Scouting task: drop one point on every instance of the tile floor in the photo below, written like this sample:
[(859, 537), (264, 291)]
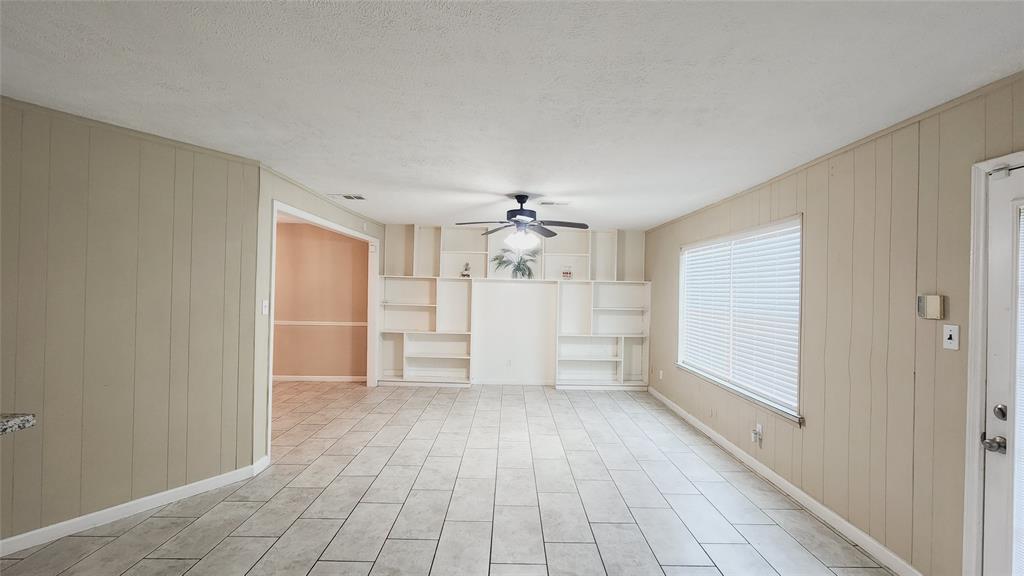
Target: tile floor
[(489, 480)]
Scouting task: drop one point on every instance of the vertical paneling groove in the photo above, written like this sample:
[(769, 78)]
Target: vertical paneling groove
[(232, 270), (861, 333), (65, 321), (111, 277), (815, 306), (837, 334), (962, 133), (1018, 115), (924, 376), (181, 274), (206, 324), (899, 460), (10, 181), (798, 433), (880, 337), (998, 122), (30, 369), (153, 320), (247, 308)]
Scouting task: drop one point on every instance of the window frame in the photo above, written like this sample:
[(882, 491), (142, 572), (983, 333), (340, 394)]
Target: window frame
[(784, 411)]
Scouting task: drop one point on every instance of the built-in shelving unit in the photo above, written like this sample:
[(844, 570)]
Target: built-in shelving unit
[(602, 335), (600, 323)]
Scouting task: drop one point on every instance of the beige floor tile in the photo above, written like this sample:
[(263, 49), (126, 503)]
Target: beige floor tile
[(274, 517), (363, 534), (232, 557), (405, 558), (517, 537), (422, 516), (57, 556), (563, 518), (463, 550), (624, 550), (566, 559), (295, 553), (202, 535)]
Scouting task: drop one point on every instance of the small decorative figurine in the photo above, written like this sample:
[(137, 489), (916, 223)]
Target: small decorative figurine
[(465, 271)]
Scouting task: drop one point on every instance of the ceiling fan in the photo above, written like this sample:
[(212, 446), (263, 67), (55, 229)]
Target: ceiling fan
[(525, 222)]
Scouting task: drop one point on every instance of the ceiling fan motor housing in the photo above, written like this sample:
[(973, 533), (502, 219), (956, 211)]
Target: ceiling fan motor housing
[(521, 215)]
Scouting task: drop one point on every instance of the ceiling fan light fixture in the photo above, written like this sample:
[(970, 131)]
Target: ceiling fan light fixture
[(522, 239)]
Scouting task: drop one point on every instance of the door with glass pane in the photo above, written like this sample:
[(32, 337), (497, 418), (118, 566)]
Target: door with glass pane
[(1003, 536)]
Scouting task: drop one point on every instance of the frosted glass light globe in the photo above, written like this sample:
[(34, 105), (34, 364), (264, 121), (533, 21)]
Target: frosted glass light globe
[(522, 240)]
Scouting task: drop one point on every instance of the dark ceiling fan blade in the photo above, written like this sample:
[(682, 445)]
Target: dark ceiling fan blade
[(493, 230), (542, 231), (562, 224), (489, 222)]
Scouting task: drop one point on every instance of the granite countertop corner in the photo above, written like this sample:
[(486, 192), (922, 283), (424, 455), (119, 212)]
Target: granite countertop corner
[(15, 422)]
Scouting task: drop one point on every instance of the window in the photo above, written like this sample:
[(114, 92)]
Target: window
[(739, 313)]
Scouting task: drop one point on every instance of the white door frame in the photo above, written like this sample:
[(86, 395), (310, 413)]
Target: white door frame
[(977, 350), (373, 248)]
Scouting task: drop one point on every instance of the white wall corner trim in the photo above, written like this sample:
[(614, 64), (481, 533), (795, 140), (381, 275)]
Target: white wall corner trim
[(76, 525), (873, 547)]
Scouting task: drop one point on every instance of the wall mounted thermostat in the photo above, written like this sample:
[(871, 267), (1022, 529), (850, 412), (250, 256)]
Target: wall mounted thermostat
[(929, 307)]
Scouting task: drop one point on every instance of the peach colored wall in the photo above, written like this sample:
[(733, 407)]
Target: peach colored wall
[(321, 276)]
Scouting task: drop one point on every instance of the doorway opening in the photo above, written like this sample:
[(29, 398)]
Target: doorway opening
[(322, 322)]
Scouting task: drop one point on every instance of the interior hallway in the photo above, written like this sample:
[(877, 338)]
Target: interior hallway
[(500, 480)]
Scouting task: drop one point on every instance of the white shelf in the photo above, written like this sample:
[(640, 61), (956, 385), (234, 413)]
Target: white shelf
[(445, 356), (409, 304), (589, 359), (463, 252), (621, 309)]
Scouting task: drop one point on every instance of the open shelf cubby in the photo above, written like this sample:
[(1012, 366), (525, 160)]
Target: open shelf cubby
[(574, 308)]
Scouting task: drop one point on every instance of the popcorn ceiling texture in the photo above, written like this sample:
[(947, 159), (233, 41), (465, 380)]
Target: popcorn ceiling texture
[(633, 112)]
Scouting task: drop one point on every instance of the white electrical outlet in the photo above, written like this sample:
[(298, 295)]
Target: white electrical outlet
[(757, 434), (661, 375)]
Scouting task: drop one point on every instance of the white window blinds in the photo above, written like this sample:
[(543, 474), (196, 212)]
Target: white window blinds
[(739, 313)]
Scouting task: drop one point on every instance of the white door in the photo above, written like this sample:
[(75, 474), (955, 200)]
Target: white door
[(1003, 537)]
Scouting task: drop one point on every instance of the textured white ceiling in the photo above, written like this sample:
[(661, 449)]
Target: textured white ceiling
[(633, 112)]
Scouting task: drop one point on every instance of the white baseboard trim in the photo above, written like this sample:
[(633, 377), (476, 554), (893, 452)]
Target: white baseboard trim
[(76, 525), (319, 378), (511, 382), (873, 547), (421, 384)]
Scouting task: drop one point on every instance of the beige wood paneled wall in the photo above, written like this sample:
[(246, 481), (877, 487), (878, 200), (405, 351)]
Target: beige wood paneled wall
[(321, 276), (128, 299), (885, 218)]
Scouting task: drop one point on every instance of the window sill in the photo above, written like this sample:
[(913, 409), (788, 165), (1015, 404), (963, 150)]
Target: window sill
[(796, 418)]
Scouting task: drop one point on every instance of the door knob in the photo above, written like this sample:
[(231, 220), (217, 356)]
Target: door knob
[(995, 444)]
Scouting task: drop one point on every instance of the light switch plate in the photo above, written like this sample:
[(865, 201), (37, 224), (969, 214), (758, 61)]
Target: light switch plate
[(266, 308), (950, 336)]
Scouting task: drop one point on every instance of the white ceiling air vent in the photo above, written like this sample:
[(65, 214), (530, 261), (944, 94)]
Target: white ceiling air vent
[(346, 196)]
